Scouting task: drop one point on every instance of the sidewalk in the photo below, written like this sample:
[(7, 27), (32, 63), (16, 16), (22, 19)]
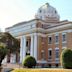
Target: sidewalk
[(9, 66)]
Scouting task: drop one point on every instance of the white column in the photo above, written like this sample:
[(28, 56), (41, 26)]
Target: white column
[(5, 60), (32, 46), (22, 48), (35, 46)]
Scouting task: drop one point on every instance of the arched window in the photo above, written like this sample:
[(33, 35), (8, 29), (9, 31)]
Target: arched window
[(55, 11), (40, 11)]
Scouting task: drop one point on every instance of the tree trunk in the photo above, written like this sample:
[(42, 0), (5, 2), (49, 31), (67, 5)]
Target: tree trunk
[(0, 66), (0, 69)]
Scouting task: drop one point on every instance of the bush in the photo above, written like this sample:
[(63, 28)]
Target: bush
[(67, 59), (29, 62)]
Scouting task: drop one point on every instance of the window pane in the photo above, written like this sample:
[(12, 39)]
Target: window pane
[(64, 37), (40, 11), (49, 65), (56, 38), (49, 40), (57, 53), (49, 54), (57, 65)]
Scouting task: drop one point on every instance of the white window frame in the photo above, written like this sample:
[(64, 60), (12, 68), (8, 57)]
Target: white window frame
[(49, 41), (50, 49), (65, 38), (55, 38), (56, 58)]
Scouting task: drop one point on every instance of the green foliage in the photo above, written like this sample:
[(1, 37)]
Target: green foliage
[(3, 52), (67, 58), (29, 62), (12, 43)]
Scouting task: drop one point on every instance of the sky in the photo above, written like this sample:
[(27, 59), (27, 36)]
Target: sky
[(14, 11)]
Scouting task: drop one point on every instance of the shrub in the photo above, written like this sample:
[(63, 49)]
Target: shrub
[(29, 62), (67, 59)]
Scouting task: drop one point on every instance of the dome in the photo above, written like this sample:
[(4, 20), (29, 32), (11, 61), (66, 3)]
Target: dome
[(47, 13)]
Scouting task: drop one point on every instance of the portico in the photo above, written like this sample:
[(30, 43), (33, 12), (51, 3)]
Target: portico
[(28, 46)]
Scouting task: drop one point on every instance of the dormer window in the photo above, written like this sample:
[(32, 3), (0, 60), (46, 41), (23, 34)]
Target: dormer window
[(40, 11), (55, 11)]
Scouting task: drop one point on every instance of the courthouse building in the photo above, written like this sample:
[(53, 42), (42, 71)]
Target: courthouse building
[(43, 37)]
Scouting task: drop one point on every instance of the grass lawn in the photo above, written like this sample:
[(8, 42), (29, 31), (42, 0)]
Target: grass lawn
[(42, 70)]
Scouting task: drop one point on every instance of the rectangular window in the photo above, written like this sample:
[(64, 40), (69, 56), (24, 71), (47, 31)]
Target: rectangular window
[(56, 53), (49, 40), (56, 39), (49, 54), (63, 37)]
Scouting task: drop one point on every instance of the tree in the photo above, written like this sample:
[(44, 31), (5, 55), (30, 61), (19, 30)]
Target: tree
[(29, 62), (12, 43), (67, 58), (3, 52)]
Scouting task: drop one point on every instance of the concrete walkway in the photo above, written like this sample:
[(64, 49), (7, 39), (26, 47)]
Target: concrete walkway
[(8, 66)]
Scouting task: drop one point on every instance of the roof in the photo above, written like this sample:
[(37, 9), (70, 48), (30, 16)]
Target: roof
[(56, 22)]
